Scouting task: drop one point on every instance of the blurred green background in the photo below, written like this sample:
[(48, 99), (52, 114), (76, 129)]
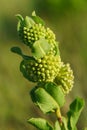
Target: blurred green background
[(68, 19)]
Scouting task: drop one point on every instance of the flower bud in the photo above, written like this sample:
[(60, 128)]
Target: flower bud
[(29, 32), (50, 36), (65, 78), (44, 69), (32, 34)]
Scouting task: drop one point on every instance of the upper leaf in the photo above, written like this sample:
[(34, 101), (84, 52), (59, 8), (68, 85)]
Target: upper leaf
[(40, 48), (28, 22), (37, 19)]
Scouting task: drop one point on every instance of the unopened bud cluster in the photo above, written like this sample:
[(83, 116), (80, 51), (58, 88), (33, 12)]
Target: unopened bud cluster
[(65, 78), (32, 34), (35, 32), (44, 69)]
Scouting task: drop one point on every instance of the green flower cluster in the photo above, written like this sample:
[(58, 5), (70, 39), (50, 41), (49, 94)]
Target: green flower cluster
[(65, 78), (30, 31), (43, 69), (45, 65), (32, 34)]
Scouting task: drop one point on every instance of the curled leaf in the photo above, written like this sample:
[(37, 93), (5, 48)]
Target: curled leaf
[(43, 100), (56, 92)]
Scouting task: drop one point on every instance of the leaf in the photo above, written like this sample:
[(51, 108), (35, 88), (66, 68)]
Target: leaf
[(74, 112), (40, 48), (56, 92), (40, 123), (17, 50), (23, 68), (20, 18), (43, 100), (29, 22), (57, 49), (37, 19), (57, 126), (65, 125), (20, 22)]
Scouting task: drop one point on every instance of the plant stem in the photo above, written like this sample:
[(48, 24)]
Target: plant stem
[(59, 116)]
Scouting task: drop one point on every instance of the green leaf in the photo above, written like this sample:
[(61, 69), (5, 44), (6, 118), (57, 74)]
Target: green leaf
[(20, 21), (56, 92), (64, 124), (18, 51), (74, 112), (43, 100), (29, 22), (57, 126), (40, 48), (37, 19), (22, 66), (20, 18), (40, 123), (57, 49)]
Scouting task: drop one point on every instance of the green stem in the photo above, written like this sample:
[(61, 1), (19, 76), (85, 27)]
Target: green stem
[(59, 116)]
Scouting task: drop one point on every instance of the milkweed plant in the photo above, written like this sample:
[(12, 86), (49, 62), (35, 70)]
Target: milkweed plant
[(53, 78)]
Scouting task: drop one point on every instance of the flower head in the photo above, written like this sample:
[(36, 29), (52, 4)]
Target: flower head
[(65, 78), (43, 69), (32, 34), (31, 31)]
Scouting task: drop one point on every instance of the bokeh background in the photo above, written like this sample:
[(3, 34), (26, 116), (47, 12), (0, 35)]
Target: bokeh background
[(68, 19)]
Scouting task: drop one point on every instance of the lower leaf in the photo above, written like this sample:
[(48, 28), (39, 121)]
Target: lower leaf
[(43, 100), (40, 123)]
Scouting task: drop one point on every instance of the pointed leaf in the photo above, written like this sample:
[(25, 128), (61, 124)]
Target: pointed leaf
[(40, 123), (37, 19), (57, 126), (74, 112), (43, 100), (56, 93), (28, 22), (40, 48)]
